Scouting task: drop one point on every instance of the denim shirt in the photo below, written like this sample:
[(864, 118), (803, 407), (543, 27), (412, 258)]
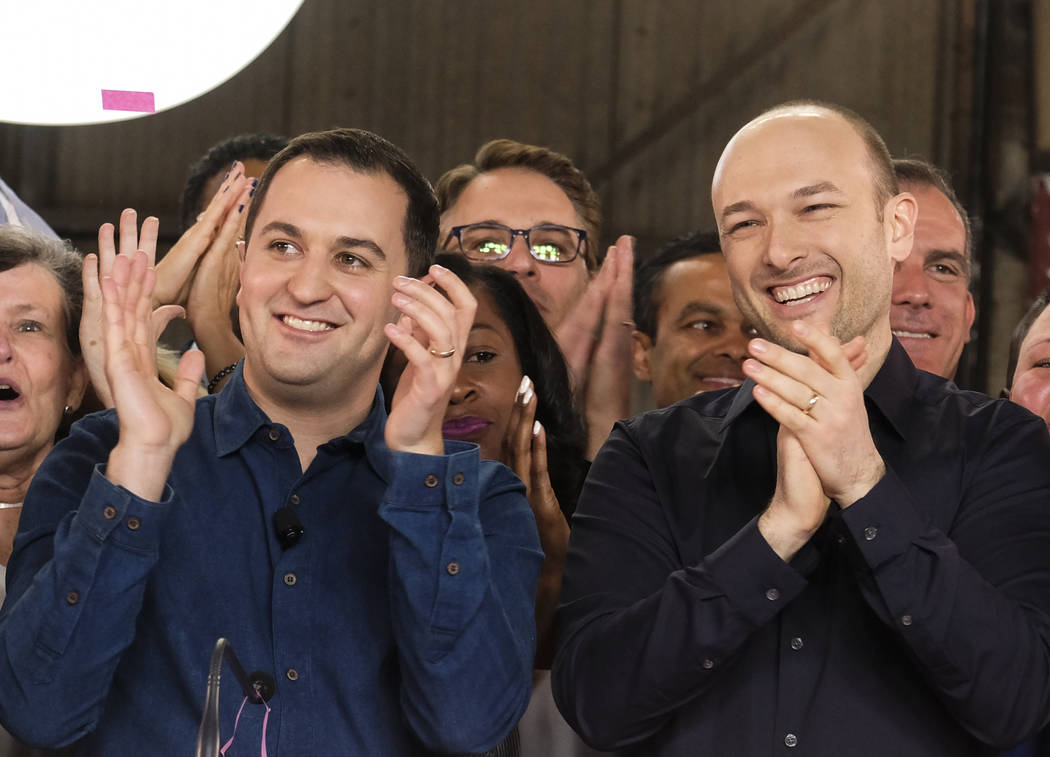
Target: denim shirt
[(401, 622)]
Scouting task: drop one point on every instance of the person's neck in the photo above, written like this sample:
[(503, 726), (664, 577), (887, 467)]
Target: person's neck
[(879, 342), (312, 423), (17, 468)]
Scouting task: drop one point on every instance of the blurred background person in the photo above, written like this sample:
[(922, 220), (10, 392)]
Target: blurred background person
[(933, 310), (1028, 377), (42, 375), (689, 334), (514, 191)]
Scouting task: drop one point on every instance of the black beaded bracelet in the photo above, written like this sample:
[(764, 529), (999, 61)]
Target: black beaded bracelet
[(220, 376)]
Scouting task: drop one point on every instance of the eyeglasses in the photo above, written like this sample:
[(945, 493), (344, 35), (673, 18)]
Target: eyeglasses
[(488, 242)]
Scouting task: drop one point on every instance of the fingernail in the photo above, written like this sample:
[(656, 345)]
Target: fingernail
[(536, 427), (401, 300), (759, 345), (240, 208), (752, 367), (200, 216), (440, 268), (527, 397), (525, 382), (402, 280), (799, 327)]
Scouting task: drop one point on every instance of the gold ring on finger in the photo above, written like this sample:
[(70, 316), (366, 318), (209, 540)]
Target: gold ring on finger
[(447, 353), (810, 403)]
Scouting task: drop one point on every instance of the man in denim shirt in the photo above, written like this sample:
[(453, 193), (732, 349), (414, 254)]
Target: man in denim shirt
[(400, 622)]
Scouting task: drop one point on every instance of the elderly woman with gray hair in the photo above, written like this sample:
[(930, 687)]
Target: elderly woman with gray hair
[(42, 375)]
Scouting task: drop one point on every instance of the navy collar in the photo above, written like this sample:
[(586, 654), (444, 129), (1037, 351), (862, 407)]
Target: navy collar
[(237, 418)]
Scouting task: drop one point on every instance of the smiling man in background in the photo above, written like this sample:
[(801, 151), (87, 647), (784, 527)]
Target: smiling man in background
[(689, 334), (933, 309)]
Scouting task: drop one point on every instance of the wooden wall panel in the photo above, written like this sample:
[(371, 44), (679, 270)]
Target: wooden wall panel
[(589, 78)]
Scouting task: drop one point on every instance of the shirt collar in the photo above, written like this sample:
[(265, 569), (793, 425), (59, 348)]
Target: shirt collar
[(237, 418)]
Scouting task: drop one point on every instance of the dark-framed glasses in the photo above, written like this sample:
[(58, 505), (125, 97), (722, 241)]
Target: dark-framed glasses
[(488, 242)]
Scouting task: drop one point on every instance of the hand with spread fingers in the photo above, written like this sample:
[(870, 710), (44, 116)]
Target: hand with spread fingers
[(432, 334), (154, 420), (820, 399), (525, 452)]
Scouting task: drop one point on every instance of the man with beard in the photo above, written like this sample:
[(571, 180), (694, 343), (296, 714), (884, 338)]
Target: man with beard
[(828, 560), (932, 306), (689, 335)]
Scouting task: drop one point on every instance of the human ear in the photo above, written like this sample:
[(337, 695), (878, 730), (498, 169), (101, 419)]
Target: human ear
[(641, 346), (899, 217), (78, 382)]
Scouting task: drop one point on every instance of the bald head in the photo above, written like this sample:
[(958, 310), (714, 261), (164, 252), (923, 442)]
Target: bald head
[(797, 196)]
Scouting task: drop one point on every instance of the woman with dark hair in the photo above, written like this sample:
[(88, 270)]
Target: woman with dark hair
[(513, 398)]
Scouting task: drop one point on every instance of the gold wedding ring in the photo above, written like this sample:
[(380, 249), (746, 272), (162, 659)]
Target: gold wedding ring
[(809, 405), (447, 353)]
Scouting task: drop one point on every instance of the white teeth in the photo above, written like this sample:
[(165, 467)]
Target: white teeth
[(723, 380), (5, 386), (302, 325), (911, 335), (805, 289)]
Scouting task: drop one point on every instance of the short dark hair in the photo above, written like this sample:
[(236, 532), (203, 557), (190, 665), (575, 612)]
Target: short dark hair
[(540, 359), (367, 153), (219, 156), (885, 180), (650, 272), (1021, 331), (926, 174), (19, 246), (506, 153)]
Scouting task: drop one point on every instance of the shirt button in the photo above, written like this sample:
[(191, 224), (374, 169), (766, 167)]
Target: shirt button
[(772, 595), (870, 533), (431, 480), (73, 597), (134, 524), (796, 643), (452, 568), (109, 513), (294, 499), (791, 740), (274, 434), (708, 664), (458, 479), (840, 539), (292, 674), (905, 620), (290, 579)]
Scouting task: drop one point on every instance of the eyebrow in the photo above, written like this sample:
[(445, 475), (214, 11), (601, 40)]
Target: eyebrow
[(814, 189), (952, 255), (800, 193), (293, 231), (698, 307), (479, 326)]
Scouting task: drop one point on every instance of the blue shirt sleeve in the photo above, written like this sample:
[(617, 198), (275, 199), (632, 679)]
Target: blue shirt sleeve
[(464, 564), (76, 581)]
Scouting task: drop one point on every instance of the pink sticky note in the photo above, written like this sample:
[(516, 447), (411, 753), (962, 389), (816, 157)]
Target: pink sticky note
[(120, 99)]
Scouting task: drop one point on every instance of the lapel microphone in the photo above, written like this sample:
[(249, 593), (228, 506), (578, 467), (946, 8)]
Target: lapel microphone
[(288, 527)]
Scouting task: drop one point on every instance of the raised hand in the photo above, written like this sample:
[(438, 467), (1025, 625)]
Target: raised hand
[(432, 334), (219, 221), (820, 399), (525, 452), (595, 339), (154, 420)]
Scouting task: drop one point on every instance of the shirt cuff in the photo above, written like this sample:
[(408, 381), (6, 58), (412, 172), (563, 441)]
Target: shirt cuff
[(425, 481), (754, 578), (111, 512), (884, 522)]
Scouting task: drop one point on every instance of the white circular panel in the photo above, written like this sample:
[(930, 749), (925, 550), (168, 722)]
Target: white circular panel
[(76, 62)]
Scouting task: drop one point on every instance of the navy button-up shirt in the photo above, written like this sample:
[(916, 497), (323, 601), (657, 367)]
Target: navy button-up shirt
[(916, 622), (400, 623)]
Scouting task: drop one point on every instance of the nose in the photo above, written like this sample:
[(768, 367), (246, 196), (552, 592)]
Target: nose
[(519, 260), (910, 287), (310, 281), (784, 248), (464, 390), (734, 343), (6, 352)]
